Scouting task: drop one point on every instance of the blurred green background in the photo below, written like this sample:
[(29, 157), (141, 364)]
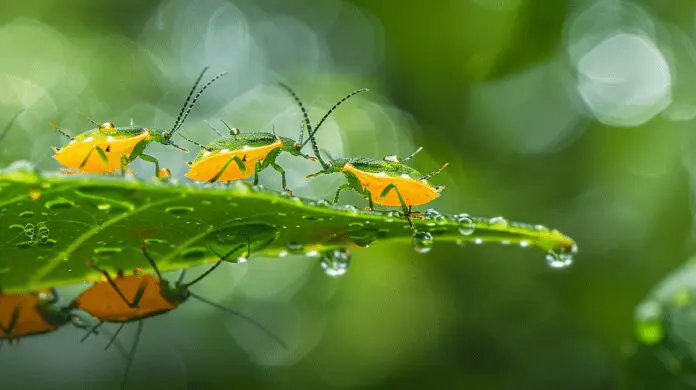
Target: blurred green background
[(575, 114)]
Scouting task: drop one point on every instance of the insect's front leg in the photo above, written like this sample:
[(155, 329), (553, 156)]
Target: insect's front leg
[(102, 156), (342, 187), (257, 169)]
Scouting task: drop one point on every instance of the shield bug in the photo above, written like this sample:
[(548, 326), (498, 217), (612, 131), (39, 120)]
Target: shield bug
[(29, 314), (386, 182), (134, 298), (239, 155), (108, 148), (129, 298)]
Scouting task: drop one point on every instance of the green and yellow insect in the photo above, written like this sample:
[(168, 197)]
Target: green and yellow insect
[(386, 182), (107, 148), (238, 155)]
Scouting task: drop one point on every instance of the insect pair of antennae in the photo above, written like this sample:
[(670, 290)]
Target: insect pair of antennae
[(191, 100), (435, 172), (311, 132)]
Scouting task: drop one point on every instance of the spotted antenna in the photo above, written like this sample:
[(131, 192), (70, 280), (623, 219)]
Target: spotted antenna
[(335, 106), (435, 172), (187, 107), (304, 113)]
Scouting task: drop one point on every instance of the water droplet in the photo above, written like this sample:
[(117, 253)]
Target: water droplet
[(466, 224), (335, 262), (26, 214), (195, 252), (431, 213), (59, 203), (282, 253), (478, 241), (559, 260), (49, 242), (422, 242), (312, 254), (355, 224), (294, 247), (104, 206), (351, 208), (498, 222), (107, 250), (155, 241), (102, 243), (29, 230), (16, 226), (242, 259), (179, 210), (310, 218)]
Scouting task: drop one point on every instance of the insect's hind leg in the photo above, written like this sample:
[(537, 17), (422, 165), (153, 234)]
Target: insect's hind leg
[(159, 173), (404, 207), (102, 157), (339, 190), (13, 322), (237, 160)]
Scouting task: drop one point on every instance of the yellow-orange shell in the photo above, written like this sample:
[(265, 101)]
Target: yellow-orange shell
[(29, 321), (72, 155), (104, 303), (209, 166), (414, 192)]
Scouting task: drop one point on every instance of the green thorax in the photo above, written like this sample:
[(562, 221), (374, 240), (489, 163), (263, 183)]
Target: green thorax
[(115, 132), (246, 141), (371, 165)]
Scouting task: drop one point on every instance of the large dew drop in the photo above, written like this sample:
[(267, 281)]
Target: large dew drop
[(336, 262), (466, 224), (422, 242), (559, 260)]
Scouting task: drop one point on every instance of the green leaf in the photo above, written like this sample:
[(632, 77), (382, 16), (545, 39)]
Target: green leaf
[(52, 226)]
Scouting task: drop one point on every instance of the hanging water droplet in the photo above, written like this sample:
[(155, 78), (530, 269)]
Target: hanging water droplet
[(524, 243), (282, 253), (431, 213), (478, 241), (498, 222), (422, 242), (466, 224), (559, 260), (649, 328), (351, 208), (335, 262), (294, 247), (26, 214), (60, 203), (242, 259), (179, 210)]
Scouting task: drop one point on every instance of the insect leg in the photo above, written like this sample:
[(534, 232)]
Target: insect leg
[(151, 159), (221, 259), (138, 294), (407, 212), (131, 354), (92, 330), (257, 169), (13, 322), (368, 194), (113, 338), (283, 182), (237, 160), (342, 187)]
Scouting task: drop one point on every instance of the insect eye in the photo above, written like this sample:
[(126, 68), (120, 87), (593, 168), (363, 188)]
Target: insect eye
[(165, 135)]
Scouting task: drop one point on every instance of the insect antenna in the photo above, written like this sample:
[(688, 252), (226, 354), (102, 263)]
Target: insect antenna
[(335, 106), (131, 354), (435, 172), (233, 130), (92, 330), (194, 142), (188, 97), (213, 268), (326, 152), (188, 109), (413, 154), (302, 108), (238, 314), (9, 125), (55, 127), (82, 114), (213, 128)]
